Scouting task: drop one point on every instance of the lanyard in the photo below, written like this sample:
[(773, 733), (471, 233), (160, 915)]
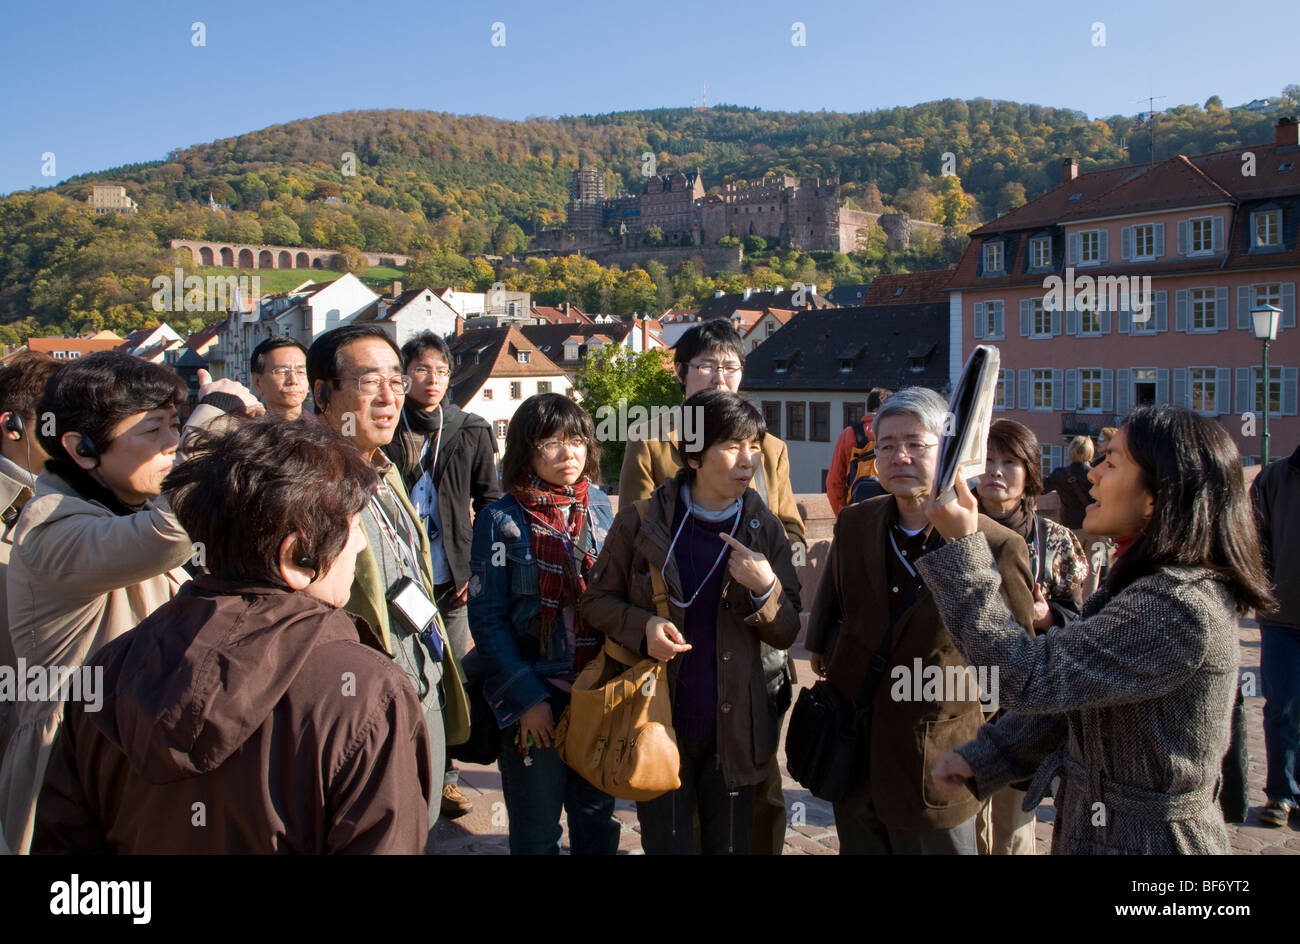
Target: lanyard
[(404, 551), (437, 442), (721, 554), (569, 543), (899, 554)]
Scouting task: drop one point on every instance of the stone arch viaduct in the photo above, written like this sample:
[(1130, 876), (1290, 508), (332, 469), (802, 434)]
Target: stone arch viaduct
[(246, 256)]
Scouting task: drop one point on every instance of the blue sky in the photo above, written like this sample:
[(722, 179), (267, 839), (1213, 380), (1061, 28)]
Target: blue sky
[(100, 85)]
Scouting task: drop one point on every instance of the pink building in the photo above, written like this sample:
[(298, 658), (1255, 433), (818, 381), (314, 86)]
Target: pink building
[(1134, 285)]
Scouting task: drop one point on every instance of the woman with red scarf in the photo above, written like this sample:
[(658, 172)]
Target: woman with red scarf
[(533, 552)]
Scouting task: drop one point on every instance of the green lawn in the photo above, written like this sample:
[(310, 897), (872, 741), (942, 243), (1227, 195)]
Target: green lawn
[(281, 280)]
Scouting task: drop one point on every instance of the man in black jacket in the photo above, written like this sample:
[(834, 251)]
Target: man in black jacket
[(447, 460)]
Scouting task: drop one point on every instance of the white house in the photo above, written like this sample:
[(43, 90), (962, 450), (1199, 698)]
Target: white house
[(495, 369), (406, 314), (304, 313)]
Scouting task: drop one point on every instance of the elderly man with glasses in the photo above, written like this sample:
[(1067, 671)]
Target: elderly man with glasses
[(359, 388), (447, 458), (711, 356)]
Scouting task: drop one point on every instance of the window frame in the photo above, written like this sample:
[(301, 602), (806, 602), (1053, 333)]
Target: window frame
[(1099, 380), (1208, 223), (795, 408), (1210, 305), (1260, 216), (997, 246), (1085, 236), (1034, 381), (516, 390), (1139, 231), (1038, 308), (1036, 245)]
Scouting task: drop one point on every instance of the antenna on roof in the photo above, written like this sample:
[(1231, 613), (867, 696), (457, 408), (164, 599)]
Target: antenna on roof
[(1151, 124)]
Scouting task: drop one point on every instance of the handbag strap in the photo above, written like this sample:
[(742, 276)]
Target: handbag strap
[(656, 576), (880, 661)]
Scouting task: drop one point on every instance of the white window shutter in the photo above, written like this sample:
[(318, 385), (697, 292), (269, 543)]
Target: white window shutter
[(1162, 385), (1058, 382), (1216, 229), (1075, 248), (1223, 390), (1162, 310), (1123, 390), (1221, 308), (1160, 239), (1290, 376), (1107, 390), (999, 320), (1126, 243), (1103, 240), (1245, 395), (979, 320), (1181, 395), (1180, 310), (1026, 386), (1026, 317), (1245, 294), (1184, 237), (1072, 389), (1288, 305)]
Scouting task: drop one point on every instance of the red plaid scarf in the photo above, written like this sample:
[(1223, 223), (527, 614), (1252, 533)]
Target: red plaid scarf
[(559, 582)]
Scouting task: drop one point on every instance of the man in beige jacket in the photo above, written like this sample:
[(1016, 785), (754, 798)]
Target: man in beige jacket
[(95, 550), (711, 355)]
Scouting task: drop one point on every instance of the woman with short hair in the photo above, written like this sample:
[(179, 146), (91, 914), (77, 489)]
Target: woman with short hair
[(250, 714), (1008, 493), (534, 552), (1130, 704), (1070, 482), (728, 571)]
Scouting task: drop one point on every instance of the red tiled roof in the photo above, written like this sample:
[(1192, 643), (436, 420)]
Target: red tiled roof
[(908, 288), (1172, 183), (1054, 205), (497, 353)]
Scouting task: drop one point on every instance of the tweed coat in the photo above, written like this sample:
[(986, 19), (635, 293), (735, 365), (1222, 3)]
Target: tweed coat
[(1130, 704)]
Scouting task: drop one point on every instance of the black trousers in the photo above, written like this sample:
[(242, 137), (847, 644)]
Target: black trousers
[(725, 816)]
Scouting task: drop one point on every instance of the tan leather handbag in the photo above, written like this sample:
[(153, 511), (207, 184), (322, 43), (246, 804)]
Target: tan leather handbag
[(618, 729)]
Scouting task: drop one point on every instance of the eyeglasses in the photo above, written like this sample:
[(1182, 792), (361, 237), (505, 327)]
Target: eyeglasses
[(712, 368), (423, 373), (368, 384), (284, 373), (555, 447), (915, 448)]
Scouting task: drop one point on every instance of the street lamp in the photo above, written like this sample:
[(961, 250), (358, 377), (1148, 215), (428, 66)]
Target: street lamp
[(1265, 320)]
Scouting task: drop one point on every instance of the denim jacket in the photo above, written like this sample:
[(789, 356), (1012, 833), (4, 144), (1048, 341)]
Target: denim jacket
[(504, 604)]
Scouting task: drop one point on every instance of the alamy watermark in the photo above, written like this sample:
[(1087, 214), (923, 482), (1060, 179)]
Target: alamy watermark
[(194, 293), (1108, 292), (82, 683), (945, 683), (634, 423)]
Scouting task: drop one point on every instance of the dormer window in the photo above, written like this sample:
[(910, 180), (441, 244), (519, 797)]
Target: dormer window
[(1040, 252), (1267, 229), (570, 352), (782, 365), (993, 257), (916, 364), (522, 356)]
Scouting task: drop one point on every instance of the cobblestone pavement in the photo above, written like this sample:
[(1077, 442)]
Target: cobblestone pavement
[(812, 827)]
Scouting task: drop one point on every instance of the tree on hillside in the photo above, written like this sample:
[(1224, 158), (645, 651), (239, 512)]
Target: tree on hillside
[(351, 259), (612, 373)]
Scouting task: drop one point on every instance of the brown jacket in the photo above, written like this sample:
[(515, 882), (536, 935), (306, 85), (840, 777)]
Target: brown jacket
[(647, 462), (906, 735), (619, 600), (241, 718)]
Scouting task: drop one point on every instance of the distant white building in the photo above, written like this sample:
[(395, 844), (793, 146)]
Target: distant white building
[(406, 314), (304, 313)]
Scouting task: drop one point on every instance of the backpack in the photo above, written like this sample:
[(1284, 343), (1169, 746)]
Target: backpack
[(861, 483)]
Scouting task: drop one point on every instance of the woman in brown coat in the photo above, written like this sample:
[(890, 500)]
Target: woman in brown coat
[(729, 575)]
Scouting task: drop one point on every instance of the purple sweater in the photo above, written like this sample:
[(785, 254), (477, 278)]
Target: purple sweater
[(695, 701)]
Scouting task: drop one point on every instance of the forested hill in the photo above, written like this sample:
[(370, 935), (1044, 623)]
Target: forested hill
[(427, 182)]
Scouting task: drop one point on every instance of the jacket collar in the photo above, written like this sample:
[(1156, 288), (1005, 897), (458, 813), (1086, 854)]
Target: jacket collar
[(15, 485)]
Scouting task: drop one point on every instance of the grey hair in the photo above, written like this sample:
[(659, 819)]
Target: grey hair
[(921, 403)]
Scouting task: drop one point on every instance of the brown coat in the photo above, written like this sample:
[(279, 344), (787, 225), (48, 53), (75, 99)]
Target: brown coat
[(906, 735), (258, 709), (648, 462), (619, 600)]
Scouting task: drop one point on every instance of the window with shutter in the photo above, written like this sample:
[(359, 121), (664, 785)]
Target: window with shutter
[(1107, 390), (1058, 388), (1091, 387)]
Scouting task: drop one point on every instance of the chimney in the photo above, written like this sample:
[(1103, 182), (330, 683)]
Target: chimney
[(645, 334), (719, 293), (1287, 132), (564, 307), (1069, 170), (748, 292), (397, 288), (460, 326)]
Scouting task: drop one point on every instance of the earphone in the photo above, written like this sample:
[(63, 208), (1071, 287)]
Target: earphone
[(14, 424), (86, 448)]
